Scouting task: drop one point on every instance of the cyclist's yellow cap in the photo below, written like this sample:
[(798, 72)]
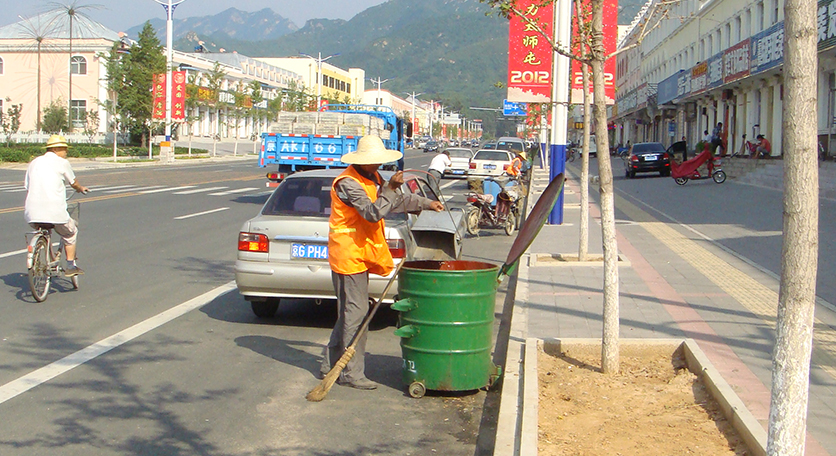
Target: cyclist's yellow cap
[(56, 141)]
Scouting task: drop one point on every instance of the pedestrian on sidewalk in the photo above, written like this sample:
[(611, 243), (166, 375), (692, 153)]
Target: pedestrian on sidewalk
[(360, 200), (764, 148)]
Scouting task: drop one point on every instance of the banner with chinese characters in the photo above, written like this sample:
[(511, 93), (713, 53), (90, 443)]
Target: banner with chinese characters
[(610, 35), (178, 97), (530, 54), (158, 89)]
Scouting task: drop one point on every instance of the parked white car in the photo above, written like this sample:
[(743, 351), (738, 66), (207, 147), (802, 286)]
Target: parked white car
[(460, 158), (283, 251), (490, 162)]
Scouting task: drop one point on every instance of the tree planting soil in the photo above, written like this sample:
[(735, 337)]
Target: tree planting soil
[(654, 406)]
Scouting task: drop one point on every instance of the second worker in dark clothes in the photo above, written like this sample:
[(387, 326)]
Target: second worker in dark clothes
[(360, 199)]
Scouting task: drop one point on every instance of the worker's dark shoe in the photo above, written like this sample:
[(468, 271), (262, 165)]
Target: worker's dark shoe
[(362, 384), (73, 271)]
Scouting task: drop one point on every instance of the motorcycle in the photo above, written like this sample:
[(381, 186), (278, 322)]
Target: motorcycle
[(688, 170), (498, 206)]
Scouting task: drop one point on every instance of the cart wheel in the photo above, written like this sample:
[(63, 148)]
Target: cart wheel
[(510, 224), (681, 180), (719, 176), (417, 390)]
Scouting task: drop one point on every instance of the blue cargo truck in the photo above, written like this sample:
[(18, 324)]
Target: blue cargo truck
[(316, 140)]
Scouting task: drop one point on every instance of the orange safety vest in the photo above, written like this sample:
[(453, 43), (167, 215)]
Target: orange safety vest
[(355, 244), (516, 166)]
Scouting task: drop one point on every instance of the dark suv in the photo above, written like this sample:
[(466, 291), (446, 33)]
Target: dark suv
[(647, 157)]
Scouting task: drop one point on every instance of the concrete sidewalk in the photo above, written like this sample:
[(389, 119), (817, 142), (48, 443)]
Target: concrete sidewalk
[(673, 284)]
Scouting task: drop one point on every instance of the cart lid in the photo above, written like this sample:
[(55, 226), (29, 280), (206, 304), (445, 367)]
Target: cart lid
[(533, 223)]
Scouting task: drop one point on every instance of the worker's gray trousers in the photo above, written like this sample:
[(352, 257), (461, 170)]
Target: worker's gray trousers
[(352, 306)]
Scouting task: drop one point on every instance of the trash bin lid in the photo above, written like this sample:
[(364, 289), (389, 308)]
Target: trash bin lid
[(533, 222)]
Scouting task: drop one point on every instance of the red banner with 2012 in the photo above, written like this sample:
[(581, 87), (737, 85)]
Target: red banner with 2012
[(529, 53)]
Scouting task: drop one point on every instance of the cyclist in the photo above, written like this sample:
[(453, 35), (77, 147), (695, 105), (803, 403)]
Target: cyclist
[(46, 196)]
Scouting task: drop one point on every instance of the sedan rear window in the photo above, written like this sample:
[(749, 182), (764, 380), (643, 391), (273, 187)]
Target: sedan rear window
[(655, 148), (460, 153), (491, 155), (310, 196)]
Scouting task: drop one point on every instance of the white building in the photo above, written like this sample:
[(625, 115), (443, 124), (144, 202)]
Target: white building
[(715, 61)]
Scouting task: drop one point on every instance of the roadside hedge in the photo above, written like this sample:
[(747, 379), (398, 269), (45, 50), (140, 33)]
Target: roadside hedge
[(23, 153)]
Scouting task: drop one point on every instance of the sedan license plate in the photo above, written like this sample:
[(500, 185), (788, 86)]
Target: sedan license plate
[(457, 171), (489, 166), (651, 157), (315, 251)]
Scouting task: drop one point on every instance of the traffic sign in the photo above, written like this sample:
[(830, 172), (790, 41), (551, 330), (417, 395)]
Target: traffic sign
[(510, 108)]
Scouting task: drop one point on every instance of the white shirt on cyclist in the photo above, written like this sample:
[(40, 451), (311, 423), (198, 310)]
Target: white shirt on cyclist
[(46, 196), (440, 162)]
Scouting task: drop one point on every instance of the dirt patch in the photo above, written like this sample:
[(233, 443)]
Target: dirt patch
[(655, 406)]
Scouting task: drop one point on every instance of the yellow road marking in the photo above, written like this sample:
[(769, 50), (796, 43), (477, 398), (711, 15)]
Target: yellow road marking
[(758, 298)]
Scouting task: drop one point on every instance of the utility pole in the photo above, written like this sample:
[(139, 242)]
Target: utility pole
[(413, 96), (319, 61), (379, 82)]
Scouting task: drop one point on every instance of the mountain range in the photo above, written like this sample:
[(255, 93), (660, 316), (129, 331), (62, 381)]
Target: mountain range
[(449, 50)]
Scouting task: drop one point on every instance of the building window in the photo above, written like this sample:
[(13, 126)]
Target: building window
[(78, 65), (78, 113), (348, 87), (1, 65)]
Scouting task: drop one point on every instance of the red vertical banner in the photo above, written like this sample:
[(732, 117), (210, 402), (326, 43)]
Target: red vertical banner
[(529, 53), (610, 36), (158, 90), (178, 96)]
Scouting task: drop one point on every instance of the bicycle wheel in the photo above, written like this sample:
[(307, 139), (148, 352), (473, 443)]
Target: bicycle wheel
[(719, 176), (39, 276), (681, 180)]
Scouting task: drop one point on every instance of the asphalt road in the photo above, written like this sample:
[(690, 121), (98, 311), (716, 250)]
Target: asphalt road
[(157, 354)]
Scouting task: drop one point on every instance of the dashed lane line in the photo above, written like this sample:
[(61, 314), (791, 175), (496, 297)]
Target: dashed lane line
[(199, 190)]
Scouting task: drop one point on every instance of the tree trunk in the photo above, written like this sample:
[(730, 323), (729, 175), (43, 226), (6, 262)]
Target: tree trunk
[(583, 234), (799, 260), (610, 349)]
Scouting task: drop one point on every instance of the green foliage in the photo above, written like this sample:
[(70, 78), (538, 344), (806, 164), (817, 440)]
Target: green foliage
[(133, 80), (55, 117), (23, 153), (10, 122)]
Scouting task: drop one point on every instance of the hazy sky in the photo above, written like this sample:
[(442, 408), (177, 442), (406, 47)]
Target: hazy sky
[(120, 15)]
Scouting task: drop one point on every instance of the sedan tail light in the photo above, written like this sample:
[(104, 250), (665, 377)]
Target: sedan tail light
[(665, 156), (397, 247), (634, 158), (472, 165), (253, 242)]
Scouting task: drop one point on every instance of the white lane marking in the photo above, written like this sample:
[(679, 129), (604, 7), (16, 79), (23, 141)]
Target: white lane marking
[(21, 189), (237, 190), (101, 189), (134, 189), (21, 385), (198, 190), (168, 189), (182, 217), (18, 252)]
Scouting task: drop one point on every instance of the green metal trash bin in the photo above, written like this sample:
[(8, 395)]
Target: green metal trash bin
[(446, 325)]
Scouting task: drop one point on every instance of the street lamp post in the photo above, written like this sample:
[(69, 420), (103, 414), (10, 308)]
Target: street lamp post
[(169, 6), (413, 96), (319, 61), (379, 82)]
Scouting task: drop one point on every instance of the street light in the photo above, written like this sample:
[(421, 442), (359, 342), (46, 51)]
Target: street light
[(319, 61), (169, 6), (413, 96), (379, 82)]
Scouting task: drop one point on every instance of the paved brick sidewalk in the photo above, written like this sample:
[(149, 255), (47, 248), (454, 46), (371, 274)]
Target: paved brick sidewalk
[(673, 284)]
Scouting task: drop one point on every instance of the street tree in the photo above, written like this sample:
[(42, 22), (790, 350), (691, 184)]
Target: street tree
[(799, 258), (193, 111), (257, 112), (238, 110), (10, 122), (115, 84), (214, 81), (138, 67), (55, 117), (595, 59)]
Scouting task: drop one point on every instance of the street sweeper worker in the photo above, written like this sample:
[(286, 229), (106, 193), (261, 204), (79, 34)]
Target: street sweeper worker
[(360, 199)]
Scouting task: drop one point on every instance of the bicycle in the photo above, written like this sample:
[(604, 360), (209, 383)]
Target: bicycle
[(42, 261), (570, 154), (748, 147)]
